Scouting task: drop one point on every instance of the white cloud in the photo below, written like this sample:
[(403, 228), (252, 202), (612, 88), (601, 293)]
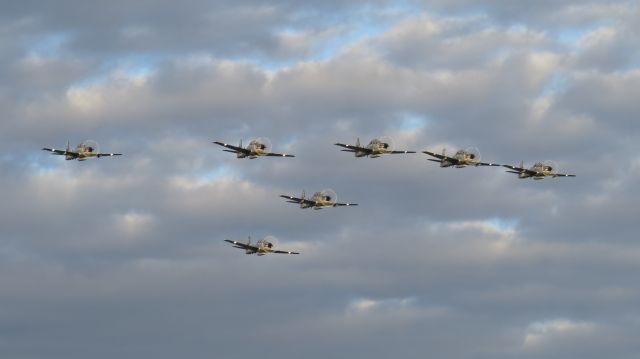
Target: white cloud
[(87, 101), (134, 225), (367, 306), (544, 332), (597, 37)]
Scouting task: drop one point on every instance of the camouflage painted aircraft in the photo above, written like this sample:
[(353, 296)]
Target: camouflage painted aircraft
[(261, 248), (462, 158), (375, 148), (538, 171), (256, 148), (82, 151), (319, 200)]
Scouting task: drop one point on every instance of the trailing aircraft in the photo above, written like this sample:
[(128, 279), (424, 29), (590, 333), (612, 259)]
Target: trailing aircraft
[(83, 151)]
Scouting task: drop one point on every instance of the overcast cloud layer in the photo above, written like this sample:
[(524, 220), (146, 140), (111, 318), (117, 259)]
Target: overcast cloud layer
[(124, 257)]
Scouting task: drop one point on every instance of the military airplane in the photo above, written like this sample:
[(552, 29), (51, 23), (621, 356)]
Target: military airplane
[(538, 171), (375, 148), (462, 158), (82, 151), (319, 200), (261, 248), (256, 148)]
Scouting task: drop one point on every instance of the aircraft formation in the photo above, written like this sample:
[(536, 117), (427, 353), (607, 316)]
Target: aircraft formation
[(261, 147)]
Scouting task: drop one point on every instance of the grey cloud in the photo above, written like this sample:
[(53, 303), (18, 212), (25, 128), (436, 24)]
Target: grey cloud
[(607, 98), (549, 14), (432, 43), (245, 29)]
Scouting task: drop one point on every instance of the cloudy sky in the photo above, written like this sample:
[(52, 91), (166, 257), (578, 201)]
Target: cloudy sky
[(124, 257)]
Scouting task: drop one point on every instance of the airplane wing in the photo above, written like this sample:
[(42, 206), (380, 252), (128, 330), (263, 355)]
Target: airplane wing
[(292, 199), (234, 149), (562, 175), (441, 157), (396, 152), (279, 155), (285, 252), (344, 204), (237, 244), (517, 169), (432, 154), (351, 148), (488, 164), (60, 152), (107, 154)]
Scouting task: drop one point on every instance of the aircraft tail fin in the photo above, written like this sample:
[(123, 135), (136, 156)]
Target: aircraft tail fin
[(443, 151), (522, 164), (248, 251), (67, 148), (238, 153), (358, 142)]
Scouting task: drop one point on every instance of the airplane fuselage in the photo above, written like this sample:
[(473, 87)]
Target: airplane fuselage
[(537, 176), (377, 148), (244, 155), (447, 163), (541, 171), (82, 153), (462, 159), (263, 246), (257, 148), (320, 201)]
